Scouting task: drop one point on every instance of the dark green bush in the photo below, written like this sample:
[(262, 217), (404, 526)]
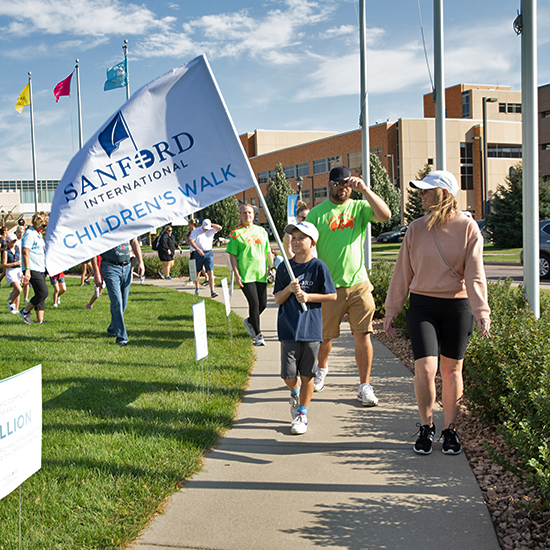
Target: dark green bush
[(153, 265), (380, 277), (507, 379)]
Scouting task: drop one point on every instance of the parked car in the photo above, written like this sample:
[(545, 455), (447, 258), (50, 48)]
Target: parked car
[(483, 228), (394, 236), (544, 250)]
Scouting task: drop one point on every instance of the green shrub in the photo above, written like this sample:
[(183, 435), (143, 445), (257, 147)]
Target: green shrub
[(380, 277), (153, 265), (507, 379)]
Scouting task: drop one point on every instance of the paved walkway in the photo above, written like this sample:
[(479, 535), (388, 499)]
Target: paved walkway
[(351, 482)]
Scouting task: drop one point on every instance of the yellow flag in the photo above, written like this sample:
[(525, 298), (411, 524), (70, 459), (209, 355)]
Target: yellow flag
[(24, 98)]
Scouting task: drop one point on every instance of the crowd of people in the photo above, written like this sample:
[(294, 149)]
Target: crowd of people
[(439, 268)]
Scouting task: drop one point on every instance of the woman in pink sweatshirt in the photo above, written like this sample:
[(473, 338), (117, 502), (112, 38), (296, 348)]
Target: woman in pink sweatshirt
[(440, 264)]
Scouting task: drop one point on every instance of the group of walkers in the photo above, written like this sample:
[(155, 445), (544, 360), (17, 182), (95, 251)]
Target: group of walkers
[(440, 267)]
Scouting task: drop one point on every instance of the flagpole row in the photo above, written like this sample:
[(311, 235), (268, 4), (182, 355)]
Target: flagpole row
[(125, 48), (80, 138), (33, 147)]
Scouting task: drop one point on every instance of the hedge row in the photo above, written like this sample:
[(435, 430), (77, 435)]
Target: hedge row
[(506, 376)]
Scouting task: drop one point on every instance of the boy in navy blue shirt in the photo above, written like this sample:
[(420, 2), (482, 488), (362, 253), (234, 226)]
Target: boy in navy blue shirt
[(300, 332)]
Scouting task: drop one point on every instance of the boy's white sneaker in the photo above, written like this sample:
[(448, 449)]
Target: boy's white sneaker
[(319, 380), (299, 425), (366, 395)]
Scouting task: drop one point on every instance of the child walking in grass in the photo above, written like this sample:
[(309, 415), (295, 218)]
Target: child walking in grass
[(300, 332)]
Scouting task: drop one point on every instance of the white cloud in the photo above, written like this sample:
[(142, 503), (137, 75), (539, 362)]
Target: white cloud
[(82, 17), (272, 37)]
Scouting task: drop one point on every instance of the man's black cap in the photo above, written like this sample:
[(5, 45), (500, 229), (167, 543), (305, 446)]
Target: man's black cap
[(339, 173)]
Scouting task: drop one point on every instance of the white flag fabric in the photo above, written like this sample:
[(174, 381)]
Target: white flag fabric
[(171, 150)]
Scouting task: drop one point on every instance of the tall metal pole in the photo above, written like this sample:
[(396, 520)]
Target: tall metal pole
[(125, 48), (485, 196), (439, 93), (364, 121), (530, 154), (33, 148), (80, 139)]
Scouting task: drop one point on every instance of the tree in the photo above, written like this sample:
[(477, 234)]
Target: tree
[(276, 199), (224, 213), (413, 208), (381, 185), (505, 222)]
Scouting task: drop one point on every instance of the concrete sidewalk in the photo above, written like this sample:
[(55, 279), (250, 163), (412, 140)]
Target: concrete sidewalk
[(352, 481)]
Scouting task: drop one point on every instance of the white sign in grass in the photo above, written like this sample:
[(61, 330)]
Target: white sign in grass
[(20, 428), (226, 297), (199, 325), (193, 270)]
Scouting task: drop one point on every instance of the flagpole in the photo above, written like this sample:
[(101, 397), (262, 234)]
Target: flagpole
[(125, 48), (33, 148), (80, 139), (276, 235)]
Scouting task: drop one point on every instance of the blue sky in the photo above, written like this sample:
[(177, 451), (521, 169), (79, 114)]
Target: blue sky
[(280, 64)]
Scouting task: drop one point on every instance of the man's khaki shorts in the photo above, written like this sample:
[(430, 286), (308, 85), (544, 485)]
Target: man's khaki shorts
[(357, 302)]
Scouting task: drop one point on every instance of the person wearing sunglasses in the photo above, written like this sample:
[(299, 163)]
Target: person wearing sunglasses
[(342, 222)]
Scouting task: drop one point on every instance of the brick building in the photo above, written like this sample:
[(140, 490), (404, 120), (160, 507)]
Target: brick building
[(406, 146)]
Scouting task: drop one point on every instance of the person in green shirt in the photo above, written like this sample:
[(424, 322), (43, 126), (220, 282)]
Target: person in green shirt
[(341, 223), (249, 253)]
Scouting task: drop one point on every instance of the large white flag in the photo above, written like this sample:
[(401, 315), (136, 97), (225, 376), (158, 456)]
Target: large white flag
[(169, 151)]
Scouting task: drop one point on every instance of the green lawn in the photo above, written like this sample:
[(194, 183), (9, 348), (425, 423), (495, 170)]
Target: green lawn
[(490, 253), (123, 428)]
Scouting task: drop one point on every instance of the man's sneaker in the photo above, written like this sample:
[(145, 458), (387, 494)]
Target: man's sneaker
[(319, 380), (142, 280), (12, 308), (88, 306), (249, 328), (259, 340), (197, 293), (26, 316), (299, 425), (426, 435), (294, 404), (451, 445), (213, 294), (161, 274), (205, 283), (55, 305), (366, 396)]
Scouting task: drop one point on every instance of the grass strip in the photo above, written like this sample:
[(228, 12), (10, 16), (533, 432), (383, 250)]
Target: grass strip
[(123, 428)]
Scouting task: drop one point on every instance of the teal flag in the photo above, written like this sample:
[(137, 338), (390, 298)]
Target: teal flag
[(117, 77)]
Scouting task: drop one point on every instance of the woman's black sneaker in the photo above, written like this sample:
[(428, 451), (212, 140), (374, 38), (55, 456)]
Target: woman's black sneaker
[(451, 445), (426, 435)]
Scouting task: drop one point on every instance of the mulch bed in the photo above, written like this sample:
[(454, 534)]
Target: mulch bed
[(516, 514)]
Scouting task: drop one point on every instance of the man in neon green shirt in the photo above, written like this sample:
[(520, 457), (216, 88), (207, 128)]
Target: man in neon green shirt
[(341, 223)]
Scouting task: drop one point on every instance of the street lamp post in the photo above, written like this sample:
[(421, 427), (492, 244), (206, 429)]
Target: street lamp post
[(485, 171), (392, 169), (299, 183)]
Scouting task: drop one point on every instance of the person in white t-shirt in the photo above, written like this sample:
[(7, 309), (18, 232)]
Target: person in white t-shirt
[(201, 240)]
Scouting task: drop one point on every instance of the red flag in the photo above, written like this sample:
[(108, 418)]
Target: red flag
[(63, 88)]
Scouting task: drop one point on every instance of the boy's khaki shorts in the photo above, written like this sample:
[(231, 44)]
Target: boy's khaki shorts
[(357, 302)]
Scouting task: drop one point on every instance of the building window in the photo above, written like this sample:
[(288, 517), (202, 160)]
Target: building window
[(306, 195), (302, 169), (320, 166), (431, 162), (321, 193), (334, 161), (263, 177), (509, 107), (355, 160), (466, 166), (253, 201), (377, 151), (496, 150), (466, 113), (290, 172)]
